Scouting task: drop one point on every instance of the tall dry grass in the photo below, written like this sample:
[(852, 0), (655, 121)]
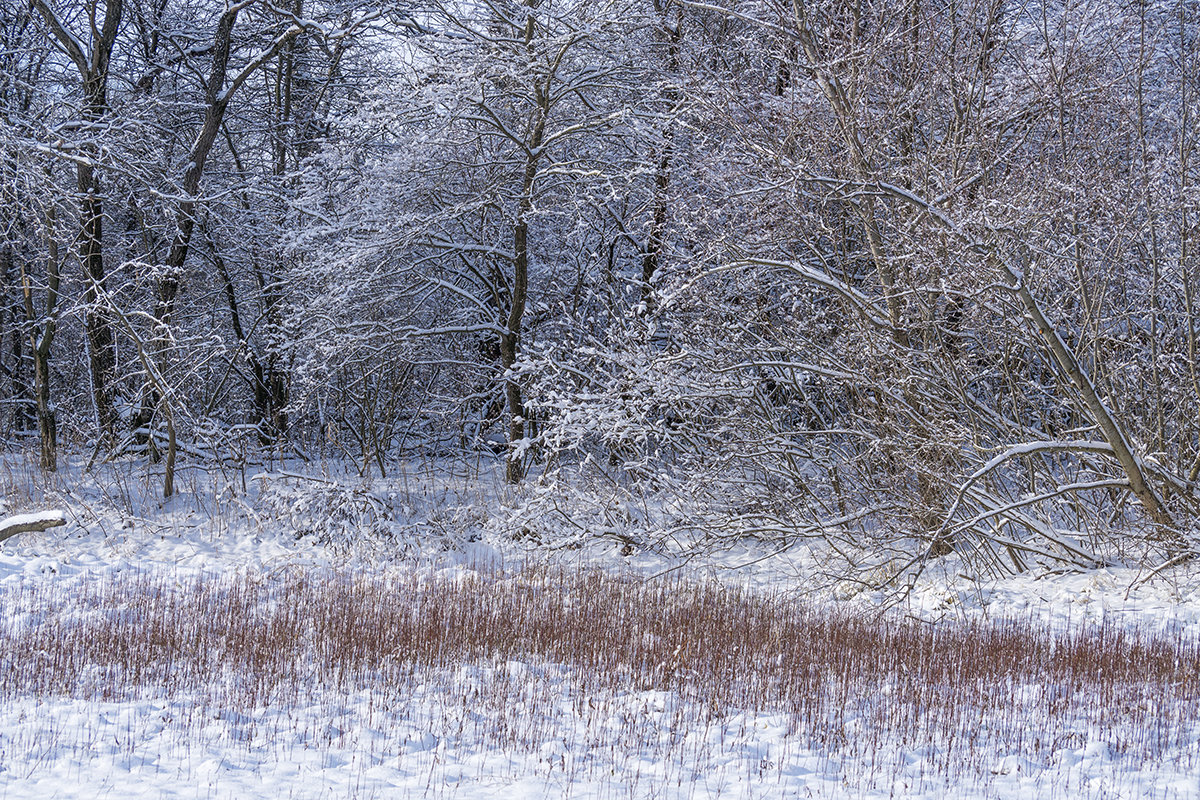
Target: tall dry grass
[(508, 657)]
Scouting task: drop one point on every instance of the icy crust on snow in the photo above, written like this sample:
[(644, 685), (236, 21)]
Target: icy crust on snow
[(434, 740)]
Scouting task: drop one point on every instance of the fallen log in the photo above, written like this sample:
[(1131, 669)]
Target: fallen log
[(27, 523)]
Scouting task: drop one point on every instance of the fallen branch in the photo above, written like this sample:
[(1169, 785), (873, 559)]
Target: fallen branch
[(26, 523)]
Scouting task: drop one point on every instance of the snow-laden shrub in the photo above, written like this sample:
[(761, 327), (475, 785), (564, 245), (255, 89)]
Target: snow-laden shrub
[(351, 513), (333, 513)]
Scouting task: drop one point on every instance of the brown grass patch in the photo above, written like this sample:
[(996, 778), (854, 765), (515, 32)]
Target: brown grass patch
[(855, 688)]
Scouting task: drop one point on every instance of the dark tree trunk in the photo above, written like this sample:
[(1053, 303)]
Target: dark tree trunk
[(102, 348), (93, 72), (41, 337), (510, 340), (655, 242), (17, 323)]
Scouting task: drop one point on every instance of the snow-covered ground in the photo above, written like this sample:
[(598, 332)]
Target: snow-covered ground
[(433, 737)]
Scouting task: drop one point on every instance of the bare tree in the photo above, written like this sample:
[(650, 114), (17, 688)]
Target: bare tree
[(91, 54)]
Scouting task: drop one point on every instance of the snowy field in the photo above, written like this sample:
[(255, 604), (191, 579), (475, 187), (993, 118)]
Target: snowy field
[(530, 726)]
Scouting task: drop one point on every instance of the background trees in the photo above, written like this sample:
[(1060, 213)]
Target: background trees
[(911, 277)]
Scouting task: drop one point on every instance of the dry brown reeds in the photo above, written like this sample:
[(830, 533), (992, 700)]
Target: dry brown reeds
[(542, 644)]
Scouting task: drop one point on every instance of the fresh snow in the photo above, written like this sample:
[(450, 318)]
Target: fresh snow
[(432, 741)]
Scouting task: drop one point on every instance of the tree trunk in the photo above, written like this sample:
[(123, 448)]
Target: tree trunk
[(655, 242), (41, 337), (93, 72), (510, 340), (102, 348), (17, 324), (46, 415)]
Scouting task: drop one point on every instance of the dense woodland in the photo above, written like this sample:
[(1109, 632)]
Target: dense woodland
[(910, 276)]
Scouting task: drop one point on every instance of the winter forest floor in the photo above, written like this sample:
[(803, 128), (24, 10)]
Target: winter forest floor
[(294, 631)]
